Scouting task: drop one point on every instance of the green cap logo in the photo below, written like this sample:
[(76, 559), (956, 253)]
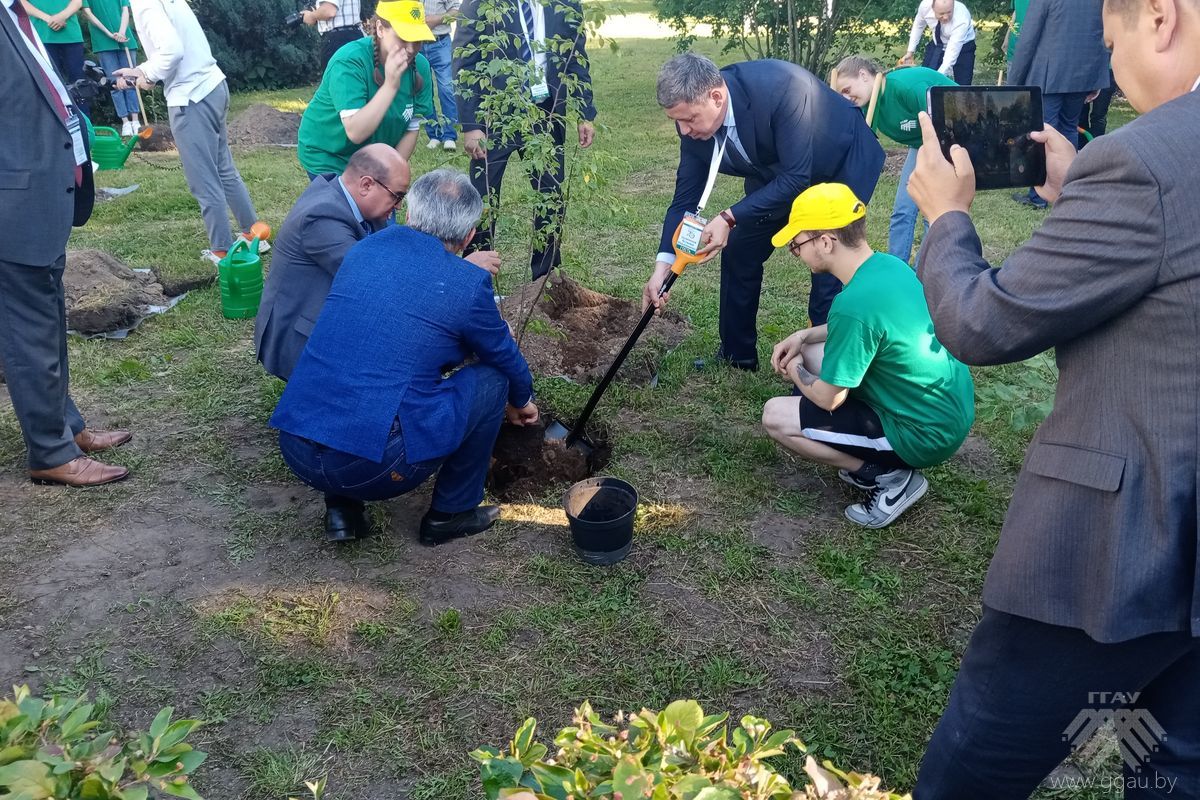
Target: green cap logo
[(415, 13)]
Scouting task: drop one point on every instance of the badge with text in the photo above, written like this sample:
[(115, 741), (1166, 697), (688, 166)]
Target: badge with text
[(689, 234), (540, 91), (75, 128)]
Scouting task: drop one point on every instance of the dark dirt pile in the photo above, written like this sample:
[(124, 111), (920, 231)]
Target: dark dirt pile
[(262, 125), (525, 465), (893, 162), (105, 295), (161, 139), (577, 333)]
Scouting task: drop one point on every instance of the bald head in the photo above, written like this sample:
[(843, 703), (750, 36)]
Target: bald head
[(943, 10), (377, 178)]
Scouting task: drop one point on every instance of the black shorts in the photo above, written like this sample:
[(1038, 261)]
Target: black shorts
[(854, 428)]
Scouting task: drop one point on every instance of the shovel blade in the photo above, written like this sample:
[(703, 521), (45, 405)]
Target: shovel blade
[(556, 431)]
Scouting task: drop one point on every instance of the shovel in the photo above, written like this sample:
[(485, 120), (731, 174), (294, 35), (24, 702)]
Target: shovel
[(556, 431)]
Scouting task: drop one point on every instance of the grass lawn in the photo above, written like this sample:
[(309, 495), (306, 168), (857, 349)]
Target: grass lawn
[(203, 582)]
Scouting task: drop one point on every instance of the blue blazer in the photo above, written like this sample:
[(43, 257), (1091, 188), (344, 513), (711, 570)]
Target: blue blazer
[(796, 131), (315, 237), (401, 312)]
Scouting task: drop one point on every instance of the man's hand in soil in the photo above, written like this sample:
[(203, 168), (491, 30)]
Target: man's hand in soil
[(475, 143), (527, 415), (650, 293), (485, 259)]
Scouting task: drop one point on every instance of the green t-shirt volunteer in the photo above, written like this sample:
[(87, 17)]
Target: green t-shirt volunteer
[(109, 14), (904, 94), (70, 33), (881, 346), (348, 85), (1019, 9)]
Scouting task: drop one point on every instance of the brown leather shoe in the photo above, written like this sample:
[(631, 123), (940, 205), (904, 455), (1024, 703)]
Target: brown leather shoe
[(91, 441), (82, 471)]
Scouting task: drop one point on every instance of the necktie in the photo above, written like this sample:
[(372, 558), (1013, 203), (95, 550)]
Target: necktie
[(27, 29), (527, 14)]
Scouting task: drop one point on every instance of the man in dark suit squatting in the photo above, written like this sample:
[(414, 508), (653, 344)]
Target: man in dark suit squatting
[(1091, 608), (45, 188), (782, 130)]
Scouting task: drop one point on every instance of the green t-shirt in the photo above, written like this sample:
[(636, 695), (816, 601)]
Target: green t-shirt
[(904, 95), (349, 84), (70, 33), (1019, 9), (109, 13), (882, 347)]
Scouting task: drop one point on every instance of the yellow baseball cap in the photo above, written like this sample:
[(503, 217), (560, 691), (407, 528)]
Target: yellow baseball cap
[(824, 207), (407, 18)]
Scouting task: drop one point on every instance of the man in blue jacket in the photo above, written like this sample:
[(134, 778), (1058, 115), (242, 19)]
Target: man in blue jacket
[(369, 412), (782, 130)]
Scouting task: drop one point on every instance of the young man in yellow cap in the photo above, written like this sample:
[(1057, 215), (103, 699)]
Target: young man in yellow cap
[(879, 396)]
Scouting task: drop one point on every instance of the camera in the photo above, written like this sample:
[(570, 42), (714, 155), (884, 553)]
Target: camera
[(94, 84), (294, 20)]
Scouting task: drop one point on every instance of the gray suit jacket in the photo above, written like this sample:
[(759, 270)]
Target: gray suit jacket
[(1101, 533), (38, 197), (1061, 48), (313, 240)]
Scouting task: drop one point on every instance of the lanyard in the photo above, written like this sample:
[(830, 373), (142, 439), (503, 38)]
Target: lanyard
[(524, 27), (713, 168)]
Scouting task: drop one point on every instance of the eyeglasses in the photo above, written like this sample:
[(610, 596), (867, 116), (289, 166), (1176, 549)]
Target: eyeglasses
[(794, 247), (397, 197)]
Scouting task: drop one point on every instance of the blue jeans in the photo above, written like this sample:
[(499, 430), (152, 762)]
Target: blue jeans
[(904, 213), (125, 102), (1024, 690), (460, 475), (438, 53)]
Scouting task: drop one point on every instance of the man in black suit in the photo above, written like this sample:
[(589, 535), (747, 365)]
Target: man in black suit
[(543, 47), (45, 188), (782, 130)]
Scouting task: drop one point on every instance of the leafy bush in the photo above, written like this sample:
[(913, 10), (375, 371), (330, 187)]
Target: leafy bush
[(252, 46), (52, 749), (676, 754)]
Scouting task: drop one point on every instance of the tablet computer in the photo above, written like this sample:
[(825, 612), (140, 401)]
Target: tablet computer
[(993, 124)]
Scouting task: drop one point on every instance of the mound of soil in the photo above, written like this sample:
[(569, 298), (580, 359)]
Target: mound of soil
[(577, 333), (262, 125), (893, 162), (525, 465), (105, 295), (161, 139)]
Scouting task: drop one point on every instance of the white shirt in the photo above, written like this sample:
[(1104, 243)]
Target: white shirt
[(38, 51), (960, 31), (537, 36), (348, 15), (1196, 85), (177, 51)]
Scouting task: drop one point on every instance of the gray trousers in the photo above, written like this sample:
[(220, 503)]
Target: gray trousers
[(33, 344), (200, 136)]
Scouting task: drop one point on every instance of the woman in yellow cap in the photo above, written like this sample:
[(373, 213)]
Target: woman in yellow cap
[(375, 89)]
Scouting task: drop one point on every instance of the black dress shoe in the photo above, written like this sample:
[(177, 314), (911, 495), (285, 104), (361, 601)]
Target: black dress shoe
[(466, 523), (346, 522), (747, 364)]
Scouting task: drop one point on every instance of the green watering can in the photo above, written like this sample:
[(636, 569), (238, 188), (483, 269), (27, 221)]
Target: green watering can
[(240, 275), (109, 152)]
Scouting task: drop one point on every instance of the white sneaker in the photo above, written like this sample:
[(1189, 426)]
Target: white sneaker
[(125, 128), (893, 494), (434, 144), (211, 257), (263, 244), (135, 127), (450, 145)]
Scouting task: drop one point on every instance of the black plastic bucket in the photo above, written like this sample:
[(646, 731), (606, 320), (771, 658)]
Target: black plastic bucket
[(600, 514)]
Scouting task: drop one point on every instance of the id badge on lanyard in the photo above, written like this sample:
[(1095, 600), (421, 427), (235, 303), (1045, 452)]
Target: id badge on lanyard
[(693, 224), (539, 89), (75, 128)]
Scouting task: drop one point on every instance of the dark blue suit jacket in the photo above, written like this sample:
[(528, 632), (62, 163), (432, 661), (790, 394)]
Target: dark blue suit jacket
[(314, 238), (796, 131), (401, 311)]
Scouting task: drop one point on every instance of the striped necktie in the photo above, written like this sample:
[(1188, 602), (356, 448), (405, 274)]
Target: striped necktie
[(27, 29), (527, 14)]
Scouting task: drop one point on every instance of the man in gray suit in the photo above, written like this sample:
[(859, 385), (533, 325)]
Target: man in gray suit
[(1061, 50), (45, 188), (1092, 602)]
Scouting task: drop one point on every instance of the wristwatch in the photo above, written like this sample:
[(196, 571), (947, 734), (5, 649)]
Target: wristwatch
[(728, 217)]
